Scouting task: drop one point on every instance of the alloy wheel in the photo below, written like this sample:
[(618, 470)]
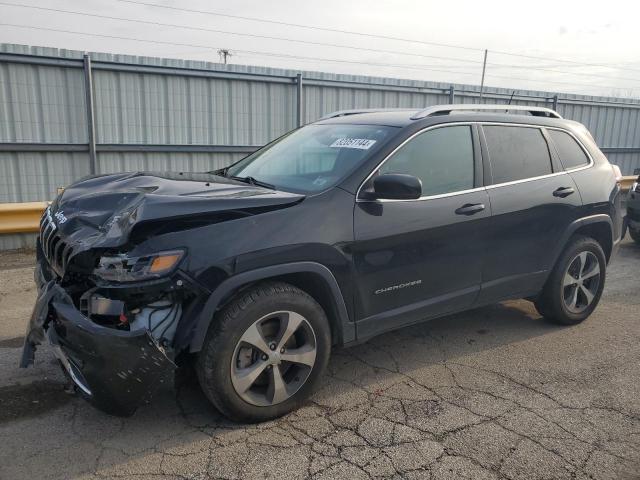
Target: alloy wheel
[(273, 358), (581, 282)]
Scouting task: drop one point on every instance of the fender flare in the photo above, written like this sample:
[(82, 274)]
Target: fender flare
[(234, 282), (575, 225)]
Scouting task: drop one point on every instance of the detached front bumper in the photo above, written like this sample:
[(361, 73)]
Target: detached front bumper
[(115, 370)]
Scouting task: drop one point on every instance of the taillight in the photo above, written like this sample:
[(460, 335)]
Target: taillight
[(617, 172)]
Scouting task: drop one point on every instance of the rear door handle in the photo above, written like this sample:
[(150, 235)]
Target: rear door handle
[(470, 209), (563, 192)]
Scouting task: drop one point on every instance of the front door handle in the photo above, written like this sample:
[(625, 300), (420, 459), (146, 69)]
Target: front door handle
[(470, 209), (563, 192)]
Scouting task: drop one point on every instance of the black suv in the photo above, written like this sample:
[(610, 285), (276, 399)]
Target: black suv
[(358, 224)]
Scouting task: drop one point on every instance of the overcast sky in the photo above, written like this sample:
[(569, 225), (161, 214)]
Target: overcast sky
[(566, 35)]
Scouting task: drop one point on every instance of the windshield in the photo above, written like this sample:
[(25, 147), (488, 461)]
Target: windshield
[(312, 158)]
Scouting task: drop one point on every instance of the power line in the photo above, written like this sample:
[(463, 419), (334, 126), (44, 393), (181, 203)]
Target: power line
[(272, 54), (356, 62), (288, 24), (418, 67), (209, 47), (308, 42), (226, 32), (370, 35)]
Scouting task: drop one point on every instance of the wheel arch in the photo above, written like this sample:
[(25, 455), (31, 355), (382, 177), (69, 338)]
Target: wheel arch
[(601, 233), (599, 227), (314, 278)]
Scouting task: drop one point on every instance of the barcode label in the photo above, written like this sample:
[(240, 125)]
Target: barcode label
[(359, 143)]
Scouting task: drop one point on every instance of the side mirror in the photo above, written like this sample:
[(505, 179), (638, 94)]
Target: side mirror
[(397, 186)]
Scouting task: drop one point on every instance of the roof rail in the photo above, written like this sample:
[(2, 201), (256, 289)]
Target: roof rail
[(355, 111), (447, 109)]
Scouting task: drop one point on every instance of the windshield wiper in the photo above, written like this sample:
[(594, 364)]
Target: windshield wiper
[(253, 181)]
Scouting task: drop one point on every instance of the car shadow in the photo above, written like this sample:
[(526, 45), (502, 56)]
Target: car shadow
[(181, 422), (382, 359)]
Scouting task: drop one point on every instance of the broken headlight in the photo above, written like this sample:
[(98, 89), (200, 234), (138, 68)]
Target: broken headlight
[(122, 268)]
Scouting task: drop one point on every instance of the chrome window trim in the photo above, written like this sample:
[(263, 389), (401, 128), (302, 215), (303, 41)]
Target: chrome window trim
[(577, 169), (424, 197), (525, 180), (486, 187)]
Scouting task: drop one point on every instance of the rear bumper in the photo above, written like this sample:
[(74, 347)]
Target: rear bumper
[(115, 370)]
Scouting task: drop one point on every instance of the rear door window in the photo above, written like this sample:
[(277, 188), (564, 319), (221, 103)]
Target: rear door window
[(571, 154), (517, 153)]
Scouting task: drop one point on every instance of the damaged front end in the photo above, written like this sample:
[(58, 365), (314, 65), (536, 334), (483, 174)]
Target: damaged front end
[(113, 341), (120, 289)]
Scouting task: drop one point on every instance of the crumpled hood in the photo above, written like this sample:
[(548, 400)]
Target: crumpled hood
[(102, 211)]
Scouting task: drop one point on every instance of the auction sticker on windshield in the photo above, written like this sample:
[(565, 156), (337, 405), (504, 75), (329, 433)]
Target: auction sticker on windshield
[(359, 143)]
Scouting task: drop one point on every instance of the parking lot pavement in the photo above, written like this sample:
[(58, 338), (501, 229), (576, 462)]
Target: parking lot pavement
[(493, 393)]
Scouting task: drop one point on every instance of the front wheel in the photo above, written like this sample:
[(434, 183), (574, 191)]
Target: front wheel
[(575, 285), (264, 353)]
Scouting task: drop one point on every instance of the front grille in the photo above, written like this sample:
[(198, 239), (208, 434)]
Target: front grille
[(54, 248)]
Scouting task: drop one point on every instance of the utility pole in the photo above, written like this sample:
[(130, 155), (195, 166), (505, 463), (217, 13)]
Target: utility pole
[(224, 54), (484, 69)]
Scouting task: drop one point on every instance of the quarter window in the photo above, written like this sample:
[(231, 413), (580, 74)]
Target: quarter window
[(571, 154), (517, 153), (442, 158)]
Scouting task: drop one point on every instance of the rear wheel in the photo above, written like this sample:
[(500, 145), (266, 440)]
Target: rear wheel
[(575, 285), (265, 352), (635, 235)]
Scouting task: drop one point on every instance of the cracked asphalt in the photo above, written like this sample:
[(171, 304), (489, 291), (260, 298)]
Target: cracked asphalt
[(492, 393)]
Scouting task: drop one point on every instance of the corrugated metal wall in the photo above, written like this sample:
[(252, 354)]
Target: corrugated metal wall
[(35, 176), (41, 104), (162, 109), (160, 102)]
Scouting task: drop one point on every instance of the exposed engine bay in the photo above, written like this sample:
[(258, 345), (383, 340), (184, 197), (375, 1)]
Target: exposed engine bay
[(160, 316)]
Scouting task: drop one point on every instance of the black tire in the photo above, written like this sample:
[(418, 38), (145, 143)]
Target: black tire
[(551, 302), (635, 235), (214, 362)]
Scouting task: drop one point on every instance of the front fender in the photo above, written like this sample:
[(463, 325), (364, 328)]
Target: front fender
[(227, 287)]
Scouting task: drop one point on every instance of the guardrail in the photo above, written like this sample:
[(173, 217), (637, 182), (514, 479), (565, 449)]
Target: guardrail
[(21, 217), (627, 182), (25, 217)]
